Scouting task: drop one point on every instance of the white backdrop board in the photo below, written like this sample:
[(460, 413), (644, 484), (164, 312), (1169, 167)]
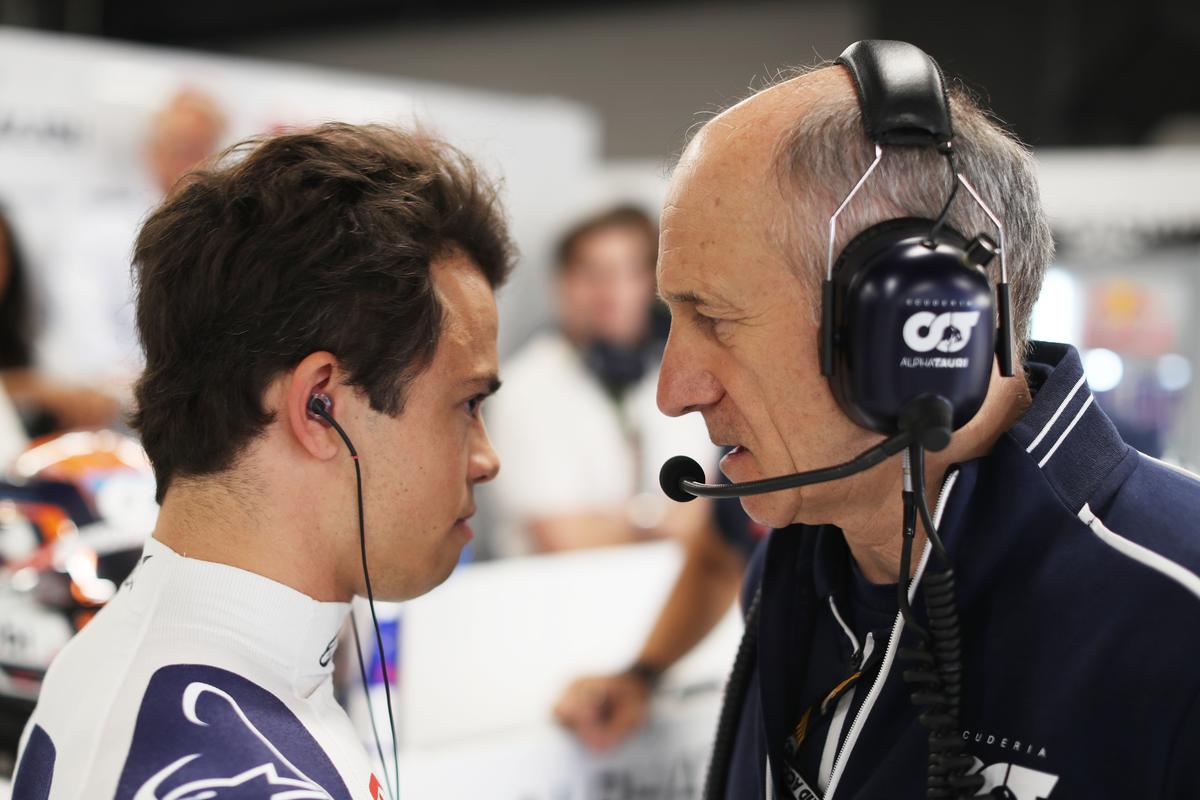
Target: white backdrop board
[(484, 657), (488, 652), (666, 760)]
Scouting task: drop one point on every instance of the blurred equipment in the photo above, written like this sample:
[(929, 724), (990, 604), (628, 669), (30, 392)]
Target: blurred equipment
[(74, 514)]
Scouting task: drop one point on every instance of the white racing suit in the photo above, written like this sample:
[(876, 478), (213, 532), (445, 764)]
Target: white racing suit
[(198, 680)]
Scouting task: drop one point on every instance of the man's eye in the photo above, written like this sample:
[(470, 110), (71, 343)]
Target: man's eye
[(706, 324), (474, 404)]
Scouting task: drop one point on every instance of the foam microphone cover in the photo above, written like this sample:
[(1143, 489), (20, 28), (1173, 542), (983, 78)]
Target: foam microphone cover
[(679, 468)]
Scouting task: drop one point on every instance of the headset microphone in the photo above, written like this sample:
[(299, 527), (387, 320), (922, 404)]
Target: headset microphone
[(926, 421), (677, 471)]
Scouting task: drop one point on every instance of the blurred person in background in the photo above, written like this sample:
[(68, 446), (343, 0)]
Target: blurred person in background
[(90, 333), (577, 421), (32, 402)]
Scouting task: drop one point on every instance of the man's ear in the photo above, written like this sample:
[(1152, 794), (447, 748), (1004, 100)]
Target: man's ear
[(317, 374)]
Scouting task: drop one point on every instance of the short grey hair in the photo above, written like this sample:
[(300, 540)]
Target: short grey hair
[(826, 150)]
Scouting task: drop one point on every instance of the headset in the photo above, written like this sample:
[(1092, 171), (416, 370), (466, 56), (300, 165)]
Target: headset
[(320, 407), (906, 309), (907, 345)]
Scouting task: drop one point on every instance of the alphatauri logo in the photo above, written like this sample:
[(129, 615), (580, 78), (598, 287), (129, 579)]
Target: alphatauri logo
[(947, 332)]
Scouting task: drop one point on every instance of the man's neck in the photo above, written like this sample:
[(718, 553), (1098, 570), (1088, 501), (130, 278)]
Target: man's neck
[(206, 520), (873, 531)]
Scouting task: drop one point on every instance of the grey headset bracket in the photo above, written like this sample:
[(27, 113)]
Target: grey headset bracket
[(1003, 339)]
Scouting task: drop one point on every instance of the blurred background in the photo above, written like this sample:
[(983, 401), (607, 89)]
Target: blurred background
[(580, 113)]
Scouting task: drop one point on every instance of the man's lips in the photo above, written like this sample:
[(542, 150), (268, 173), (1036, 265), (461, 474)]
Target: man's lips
[(463, 523), (734, 457)]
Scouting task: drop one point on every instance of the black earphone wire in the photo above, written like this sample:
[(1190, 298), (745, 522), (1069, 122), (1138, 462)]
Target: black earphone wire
[(362, 670), (362, 541)]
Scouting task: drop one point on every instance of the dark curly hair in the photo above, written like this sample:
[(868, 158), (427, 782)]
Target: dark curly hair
[(289, 245)]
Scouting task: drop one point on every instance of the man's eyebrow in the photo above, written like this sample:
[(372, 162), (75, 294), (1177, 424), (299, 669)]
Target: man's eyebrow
[(685, 298), (692, 298), (488, 384)]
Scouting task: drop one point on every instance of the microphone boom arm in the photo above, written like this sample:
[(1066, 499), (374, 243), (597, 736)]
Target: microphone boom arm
[(860, 463)]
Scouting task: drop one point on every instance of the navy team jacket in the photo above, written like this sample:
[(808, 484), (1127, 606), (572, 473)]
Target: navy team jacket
[(1076, 559)]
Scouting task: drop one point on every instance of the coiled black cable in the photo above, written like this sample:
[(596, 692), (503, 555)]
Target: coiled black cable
[(935, 677), (717, 779)]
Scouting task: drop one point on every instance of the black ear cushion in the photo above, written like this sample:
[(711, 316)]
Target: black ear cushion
[(878, 237), (854, 254), (859, 254)]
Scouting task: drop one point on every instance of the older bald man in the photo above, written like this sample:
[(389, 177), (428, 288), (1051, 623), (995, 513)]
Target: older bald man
[(1076, 556)]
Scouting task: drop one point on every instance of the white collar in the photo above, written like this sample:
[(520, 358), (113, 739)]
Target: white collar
[(286, 631)]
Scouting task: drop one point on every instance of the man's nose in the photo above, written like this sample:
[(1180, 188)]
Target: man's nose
[(684, 384), (484, 462)]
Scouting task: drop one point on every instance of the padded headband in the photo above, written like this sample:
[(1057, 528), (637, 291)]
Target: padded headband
[(901, 93)]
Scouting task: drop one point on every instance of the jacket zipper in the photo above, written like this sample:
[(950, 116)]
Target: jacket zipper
[(893, 643), (838, 724)]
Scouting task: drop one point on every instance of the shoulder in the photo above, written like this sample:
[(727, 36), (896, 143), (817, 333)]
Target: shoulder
[(203, 729), (94, 664), (138, 730), (1151, 518), (1164, 489)]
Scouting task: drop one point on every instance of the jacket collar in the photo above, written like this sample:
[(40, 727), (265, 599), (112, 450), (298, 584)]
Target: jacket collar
[(1064, 432), (285, 631)]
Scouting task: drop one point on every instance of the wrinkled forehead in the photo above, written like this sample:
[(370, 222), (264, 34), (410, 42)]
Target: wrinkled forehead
[(726, 191), (721, 208), (723, 172), (751, 131)]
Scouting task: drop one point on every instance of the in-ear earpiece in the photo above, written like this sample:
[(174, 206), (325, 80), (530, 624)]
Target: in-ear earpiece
[(320, 406)]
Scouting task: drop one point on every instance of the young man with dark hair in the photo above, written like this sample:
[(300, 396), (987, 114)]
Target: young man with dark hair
[(354, 264)]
